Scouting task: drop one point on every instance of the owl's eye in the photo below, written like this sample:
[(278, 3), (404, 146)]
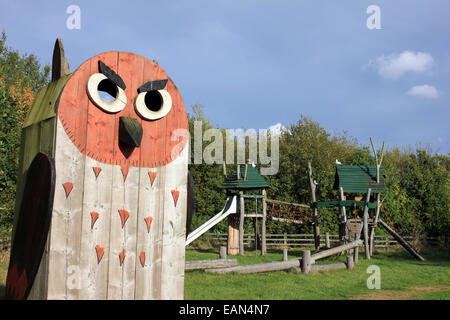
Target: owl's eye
[(153, 104), (105, 94)]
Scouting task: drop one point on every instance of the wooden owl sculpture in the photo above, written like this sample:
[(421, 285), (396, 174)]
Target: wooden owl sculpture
[(102, 196)]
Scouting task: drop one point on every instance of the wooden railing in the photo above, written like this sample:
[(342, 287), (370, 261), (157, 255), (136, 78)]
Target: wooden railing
[(307, 240), (291, 240)]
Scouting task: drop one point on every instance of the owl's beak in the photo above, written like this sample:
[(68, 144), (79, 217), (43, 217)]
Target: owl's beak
[(130, 131)]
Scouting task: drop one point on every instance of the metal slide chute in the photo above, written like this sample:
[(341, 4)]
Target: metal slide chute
[(229, 208)]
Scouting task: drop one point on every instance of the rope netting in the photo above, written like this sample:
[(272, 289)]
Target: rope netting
[(289, 213)]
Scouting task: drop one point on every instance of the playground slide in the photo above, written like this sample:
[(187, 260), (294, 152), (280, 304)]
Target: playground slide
[(229, 208), (402, 241)]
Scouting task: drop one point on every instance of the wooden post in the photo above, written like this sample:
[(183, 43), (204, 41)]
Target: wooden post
[(256, 226), (313, 195), (285, 254), (375, 222), (223, 252), (350, 264), (327, 240), (241, 223), (264, 219), (306, 261), (356, 255), (342, 216), (365, 222), (233, 234)]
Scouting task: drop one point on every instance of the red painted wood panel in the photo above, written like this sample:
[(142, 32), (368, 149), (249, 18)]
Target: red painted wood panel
[(95, 132)]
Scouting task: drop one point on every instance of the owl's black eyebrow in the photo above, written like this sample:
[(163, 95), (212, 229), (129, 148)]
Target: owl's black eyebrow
[(111, 74), (153, 85)]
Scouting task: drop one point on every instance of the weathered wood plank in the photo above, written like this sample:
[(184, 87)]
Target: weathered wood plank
[(241, 222), (366, 225), (97, 199), (306, 261), (130, 68), (264, 221), (174, 229), (210, 264), (342, 216), (233, 234), (335, 250), (313, 195), (223, 252), (328, 267), (151, 209), (66, 219), (256, 268)]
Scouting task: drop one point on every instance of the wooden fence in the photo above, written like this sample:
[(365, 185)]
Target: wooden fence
[(291, 240), (307, 240)]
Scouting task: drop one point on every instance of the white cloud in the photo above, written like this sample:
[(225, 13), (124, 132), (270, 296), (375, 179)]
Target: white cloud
[(425, 90), (395, 66)]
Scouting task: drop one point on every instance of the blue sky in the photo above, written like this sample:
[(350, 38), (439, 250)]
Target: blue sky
[(255, 63)]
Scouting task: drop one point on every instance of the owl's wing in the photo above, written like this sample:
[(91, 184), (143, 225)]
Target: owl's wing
[(32, 227), (190, 202)]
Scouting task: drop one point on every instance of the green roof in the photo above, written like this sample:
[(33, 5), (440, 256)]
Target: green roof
[(358, 178), (254, 180)]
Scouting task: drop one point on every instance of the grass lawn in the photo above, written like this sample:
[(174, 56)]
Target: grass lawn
[(402, 277)]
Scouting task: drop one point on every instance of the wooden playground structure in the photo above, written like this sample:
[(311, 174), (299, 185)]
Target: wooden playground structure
[(351, 181)]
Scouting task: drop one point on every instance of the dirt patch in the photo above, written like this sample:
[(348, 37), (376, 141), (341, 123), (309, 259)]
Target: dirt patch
[(399, 295)]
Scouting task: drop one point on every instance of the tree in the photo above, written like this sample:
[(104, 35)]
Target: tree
[(20, 77), (208, 178), (24, 71)]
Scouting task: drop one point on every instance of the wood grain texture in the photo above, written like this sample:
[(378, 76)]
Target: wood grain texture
[(135, 70), (174, 229), (66, 219), (91, 253), (366, 225), (210, 264), (60, 66)]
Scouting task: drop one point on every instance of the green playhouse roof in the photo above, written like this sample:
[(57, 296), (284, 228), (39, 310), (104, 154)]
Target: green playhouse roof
[(254, 180), (358, 178)]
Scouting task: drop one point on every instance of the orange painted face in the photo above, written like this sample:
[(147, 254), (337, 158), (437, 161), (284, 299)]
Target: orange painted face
[(136, 127)]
